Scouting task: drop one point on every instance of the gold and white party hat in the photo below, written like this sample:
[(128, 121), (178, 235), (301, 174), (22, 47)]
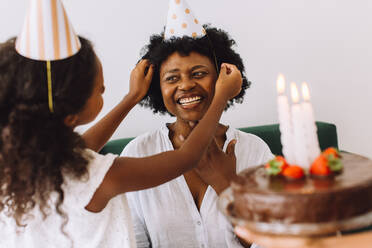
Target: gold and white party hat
[(47, 33), (182, 22)]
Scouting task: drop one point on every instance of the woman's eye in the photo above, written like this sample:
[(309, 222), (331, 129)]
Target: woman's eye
[(199, 74), (171, 78)]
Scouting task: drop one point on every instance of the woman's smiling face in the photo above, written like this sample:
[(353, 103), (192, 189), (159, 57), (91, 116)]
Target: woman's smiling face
[(187, 84)]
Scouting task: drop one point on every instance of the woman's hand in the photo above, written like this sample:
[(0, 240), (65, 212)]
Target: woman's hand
[(140, 80), (218, 168), (229, 82)]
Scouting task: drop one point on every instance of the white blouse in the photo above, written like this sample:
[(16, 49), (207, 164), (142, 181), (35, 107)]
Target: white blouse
[(110, 228), (166, 216)]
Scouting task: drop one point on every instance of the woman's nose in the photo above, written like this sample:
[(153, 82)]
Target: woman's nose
[(186, 84)]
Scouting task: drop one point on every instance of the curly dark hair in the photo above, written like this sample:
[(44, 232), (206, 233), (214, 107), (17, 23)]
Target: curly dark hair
[(37, 150), (216, 45)]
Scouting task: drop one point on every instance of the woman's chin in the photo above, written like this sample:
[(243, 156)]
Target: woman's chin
[(191, 117), (192, 112)]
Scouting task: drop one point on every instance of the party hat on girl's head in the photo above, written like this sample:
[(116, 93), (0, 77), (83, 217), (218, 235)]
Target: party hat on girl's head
[(181, 21), (47, 33)]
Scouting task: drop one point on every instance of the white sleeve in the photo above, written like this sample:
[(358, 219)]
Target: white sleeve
[(250, 150), (264, 149), (139, 226), (81, 191), (133, 149), (267, 154)]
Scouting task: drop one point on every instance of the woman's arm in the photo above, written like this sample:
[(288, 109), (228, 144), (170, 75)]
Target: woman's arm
[(97, 136), (130, 174)]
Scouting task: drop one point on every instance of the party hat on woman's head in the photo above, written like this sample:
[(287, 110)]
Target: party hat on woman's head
[(47, 33), (181, 21)]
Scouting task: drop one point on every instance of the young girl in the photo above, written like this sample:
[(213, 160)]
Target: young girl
[(55, 190)]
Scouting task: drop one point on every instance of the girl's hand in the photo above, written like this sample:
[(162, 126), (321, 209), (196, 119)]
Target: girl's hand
[(229, 82), (140, 80)]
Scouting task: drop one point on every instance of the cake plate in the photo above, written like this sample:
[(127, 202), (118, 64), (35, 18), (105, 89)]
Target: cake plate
[(226, 206)]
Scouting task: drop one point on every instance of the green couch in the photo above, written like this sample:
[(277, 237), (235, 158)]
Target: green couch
[(327, 135)]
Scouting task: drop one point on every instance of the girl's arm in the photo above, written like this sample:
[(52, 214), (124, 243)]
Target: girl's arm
[(97, 136), (130, 174)]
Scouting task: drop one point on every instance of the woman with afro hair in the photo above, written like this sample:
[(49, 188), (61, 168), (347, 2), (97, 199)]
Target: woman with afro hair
[(183, 212)]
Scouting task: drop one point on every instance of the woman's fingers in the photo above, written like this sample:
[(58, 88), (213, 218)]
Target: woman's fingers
[(230, 150)]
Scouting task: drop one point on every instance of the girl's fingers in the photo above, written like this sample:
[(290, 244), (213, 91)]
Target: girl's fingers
[(150, 72)]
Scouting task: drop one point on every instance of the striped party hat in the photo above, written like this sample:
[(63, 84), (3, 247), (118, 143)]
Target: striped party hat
[(47, 33), (182, 22)]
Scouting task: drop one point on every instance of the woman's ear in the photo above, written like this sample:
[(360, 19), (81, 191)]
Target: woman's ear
[(71, 120)]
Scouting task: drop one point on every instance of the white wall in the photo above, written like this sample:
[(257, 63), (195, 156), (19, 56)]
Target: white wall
[(328, 43)]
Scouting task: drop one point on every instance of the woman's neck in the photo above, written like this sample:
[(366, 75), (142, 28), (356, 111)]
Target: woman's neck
[(180, 130)]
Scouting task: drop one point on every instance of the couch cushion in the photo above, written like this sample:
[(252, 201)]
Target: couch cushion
[(115, 146), (327, 135)]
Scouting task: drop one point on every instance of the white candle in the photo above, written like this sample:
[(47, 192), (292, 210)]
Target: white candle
[(312, 142), (285, 125), (299, 135)]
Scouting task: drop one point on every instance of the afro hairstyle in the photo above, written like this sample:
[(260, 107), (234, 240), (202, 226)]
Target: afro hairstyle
[(216, 45)]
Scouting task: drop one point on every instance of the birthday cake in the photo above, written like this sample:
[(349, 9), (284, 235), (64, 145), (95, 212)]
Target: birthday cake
[(322, 191), (261, 197)]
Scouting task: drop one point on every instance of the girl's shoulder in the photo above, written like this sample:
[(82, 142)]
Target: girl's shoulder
[(79, 191)]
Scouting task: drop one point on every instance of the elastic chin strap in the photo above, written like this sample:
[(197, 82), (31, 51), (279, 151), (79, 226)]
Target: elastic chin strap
[(50, 94)]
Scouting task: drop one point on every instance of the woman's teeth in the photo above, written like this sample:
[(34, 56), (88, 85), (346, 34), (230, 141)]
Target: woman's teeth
[(190, 100)]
